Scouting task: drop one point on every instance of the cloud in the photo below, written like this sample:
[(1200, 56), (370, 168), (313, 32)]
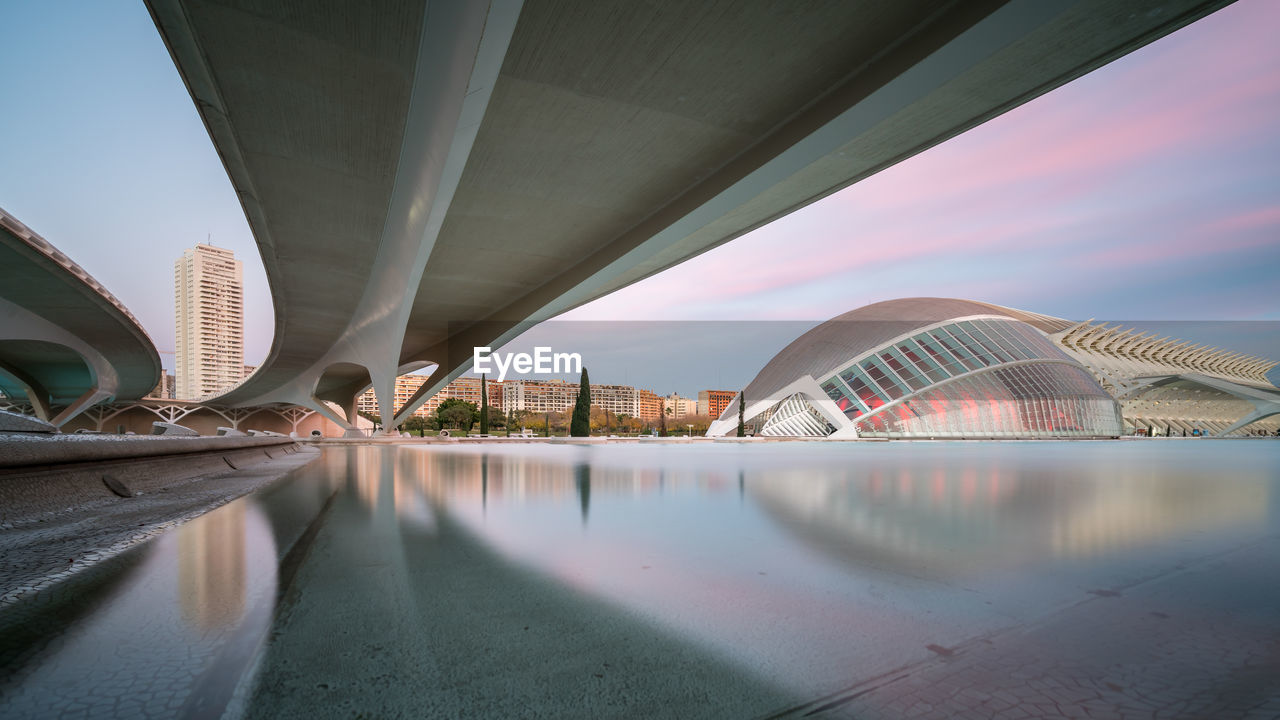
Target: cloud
[(1154, 157)]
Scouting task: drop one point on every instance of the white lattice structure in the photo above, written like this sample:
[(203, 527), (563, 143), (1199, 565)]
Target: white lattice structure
[(1168, 386), (1119, 356), (101, 417)]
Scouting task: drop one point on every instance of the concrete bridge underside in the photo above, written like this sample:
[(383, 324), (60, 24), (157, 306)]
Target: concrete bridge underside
[(66, 343), (423, 178)]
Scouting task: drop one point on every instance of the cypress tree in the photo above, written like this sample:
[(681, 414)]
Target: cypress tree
[(484, 405), (662, 423), (580, 425), (742, 404)]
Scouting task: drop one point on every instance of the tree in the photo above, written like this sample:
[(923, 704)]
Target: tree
[(415, 422), (662, 424), (514, 418), (580, 426), (742, 404), (484, 405), (457, 413), (602, 420)]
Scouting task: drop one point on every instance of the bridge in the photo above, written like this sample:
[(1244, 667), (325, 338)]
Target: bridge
[(66, 343), (426, 178)]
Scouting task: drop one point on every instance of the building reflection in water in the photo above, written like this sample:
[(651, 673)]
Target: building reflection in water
[(212, 568), (956, 512), (458, 476), (950, 517)]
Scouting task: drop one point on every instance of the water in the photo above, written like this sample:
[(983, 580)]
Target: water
[(703, 580)]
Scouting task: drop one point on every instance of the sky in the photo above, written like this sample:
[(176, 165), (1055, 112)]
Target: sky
[(1147, 191)]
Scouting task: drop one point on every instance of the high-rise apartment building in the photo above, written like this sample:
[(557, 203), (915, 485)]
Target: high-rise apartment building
[(713, 402), (208, 298)]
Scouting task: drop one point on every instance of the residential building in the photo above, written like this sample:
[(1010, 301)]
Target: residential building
[(539, 396), (208, 298), (677, 407), (544, 396), (165, 388), (713, 402), (406, 386), (464, 388), (616, 399), (649, 405)]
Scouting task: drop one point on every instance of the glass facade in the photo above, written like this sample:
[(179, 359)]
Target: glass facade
[(1047, 400), (891, 393)]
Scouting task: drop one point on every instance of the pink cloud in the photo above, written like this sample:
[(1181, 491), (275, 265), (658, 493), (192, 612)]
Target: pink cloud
[(1218, 236), (1071, 172)]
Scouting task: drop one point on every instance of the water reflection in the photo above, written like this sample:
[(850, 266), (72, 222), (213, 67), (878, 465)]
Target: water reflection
[(788, 562), (781, 554), (211, 569), (171, 639), (583, 478), (946, 517), (932, 510)]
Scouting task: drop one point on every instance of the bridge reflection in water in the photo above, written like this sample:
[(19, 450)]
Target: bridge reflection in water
[(751, 577)]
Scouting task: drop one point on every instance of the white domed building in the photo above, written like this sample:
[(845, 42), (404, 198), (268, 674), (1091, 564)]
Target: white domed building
[(927, 368)]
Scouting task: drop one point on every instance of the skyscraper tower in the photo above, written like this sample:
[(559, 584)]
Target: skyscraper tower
[(208, 297)]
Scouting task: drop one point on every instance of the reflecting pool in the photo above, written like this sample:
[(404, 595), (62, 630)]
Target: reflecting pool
[(690, 580)]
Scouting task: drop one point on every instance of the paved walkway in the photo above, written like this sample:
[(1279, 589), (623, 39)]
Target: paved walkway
[(1200, 642)]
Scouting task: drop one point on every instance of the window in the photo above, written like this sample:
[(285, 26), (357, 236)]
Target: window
[(881, 376)]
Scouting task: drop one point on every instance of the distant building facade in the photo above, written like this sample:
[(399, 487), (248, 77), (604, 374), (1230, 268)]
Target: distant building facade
[(406, 386), (547, 396), (650, 405), (713, 402), (617, 399), (165, 389), (678, 407), (467, 388), (209, 304), (539, 396), (464, 388)]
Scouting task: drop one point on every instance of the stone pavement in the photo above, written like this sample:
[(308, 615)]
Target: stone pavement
[(39, 554), (1200, 642)]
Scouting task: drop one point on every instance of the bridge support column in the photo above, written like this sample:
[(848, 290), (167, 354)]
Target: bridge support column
[(82, 403)]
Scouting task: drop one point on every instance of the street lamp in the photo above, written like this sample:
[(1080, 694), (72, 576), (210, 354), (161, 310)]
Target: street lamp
[(690, 426)]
